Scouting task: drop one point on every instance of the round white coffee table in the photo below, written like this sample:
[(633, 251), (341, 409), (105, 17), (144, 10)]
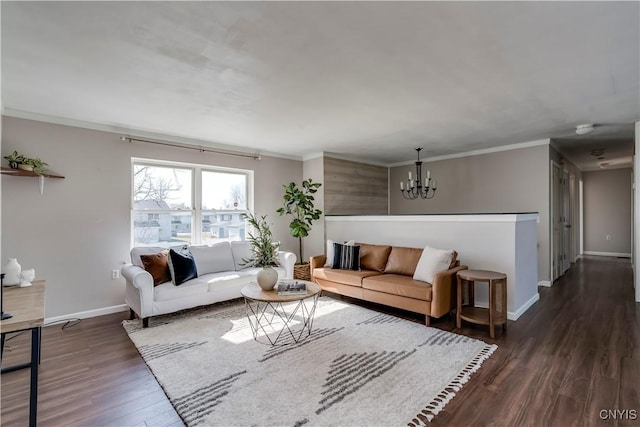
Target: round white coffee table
[(280, 319)]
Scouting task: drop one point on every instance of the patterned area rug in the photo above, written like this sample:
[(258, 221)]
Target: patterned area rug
[(358, 367)]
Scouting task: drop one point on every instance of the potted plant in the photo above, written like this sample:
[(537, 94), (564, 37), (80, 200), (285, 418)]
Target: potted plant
[(264, 251), (299, 203), (37, 165), (19, 161), (15, 160)]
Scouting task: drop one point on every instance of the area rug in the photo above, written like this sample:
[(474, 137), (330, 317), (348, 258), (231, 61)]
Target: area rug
[(358, 367)]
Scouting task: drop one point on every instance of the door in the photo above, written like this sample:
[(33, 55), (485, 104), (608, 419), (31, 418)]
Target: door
[(566, 222), (557, 225)]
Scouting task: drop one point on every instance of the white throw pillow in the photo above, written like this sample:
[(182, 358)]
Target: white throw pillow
[(213, 259), (330, 253), (432, 262), (241, 250)]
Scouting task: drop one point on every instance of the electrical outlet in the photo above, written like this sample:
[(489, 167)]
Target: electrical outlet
[(115, 274), (608, 237)]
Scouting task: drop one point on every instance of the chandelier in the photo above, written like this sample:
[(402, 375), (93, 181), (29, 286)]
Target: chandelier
[(415, 188)]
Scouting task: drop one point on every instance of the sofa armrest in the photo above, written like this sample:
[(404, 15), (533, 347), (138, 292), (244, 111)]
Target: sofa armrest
[(443, 289), (316, 262), (287, 260), (139, 291)]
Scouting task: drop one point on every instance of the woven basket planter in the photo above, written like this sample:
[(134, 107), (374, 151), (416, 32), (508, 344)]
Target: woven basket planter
[(302, 272)]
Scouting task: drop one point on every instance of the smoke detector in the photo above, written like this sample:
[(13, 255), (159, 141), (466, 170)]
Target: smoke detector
[(584, 129)]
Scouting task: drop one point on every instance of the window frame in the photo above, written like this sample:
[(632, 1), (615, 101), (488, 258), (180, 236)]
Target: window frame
[(197, 213)]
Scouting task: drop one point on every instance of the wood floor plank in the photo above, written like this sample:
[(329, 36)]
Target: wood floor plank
[(603, 395), (572, 354)]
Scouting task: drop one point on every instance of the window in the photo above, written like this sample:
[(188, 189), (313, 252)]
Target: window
[(175, 203)]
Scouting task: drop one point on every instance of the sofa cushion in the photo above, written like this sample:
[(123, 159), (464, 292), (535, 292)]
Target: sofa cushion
[(240, 250), (346, 257), (433, 261), (346, 277), (374, 257), (148, 250), (182, 266), (214, 258), (398, 284), (167, 291), (158, 266), (403, 260)]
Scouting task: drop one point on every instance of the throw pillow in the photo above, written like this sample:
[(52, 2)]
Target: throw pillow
[(432, 261), (213, 259), (331, 253), (182, 266), (137, 252), (346, 257), (241, 250), (158, 266)]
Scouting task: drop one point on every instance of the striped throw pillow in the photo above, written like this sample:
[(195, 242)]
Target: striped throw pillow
[(346, 257)]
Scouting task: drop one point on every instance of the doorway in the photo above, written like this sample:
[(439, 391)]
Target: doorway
[(561, 220)]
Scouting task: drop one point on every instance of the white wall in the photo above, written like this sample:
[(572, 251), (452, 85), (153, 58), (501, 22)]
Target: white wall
[(79, 230), (503, 243)]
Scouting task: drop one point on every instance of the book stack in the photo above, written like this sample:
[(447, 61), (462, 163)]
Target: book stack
[(292, 287)]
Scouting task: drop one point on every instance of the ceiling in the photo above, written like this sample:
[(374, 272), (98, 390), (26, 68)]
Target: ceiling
[(370, 80)]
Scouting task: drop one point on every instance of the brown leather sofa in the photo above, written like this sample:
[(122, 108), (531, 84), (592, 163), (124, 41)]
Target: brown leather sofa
[(386, 277)]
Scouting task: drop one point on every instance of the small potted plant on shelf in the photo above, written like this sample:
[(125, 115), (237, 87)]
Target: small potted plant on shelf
[(264, 251), (299, 203), (37, 165), (19, 161), (15, 159)]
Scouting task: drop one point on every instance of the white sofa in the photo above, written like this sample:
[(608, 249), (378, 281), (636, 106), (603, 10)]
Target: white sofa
[(221, 276)]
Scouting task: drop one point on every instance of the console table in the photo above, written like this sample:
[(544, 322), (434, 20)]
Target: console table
[(27, 307)]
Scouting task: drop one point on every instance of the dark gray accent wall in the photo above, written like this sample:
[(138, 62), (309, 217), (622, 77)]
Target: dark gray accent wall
[(353, 188)]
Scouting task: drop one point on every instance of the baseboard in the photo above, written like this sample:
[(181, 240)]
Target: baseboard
[(545, 283), (511, 315), (612, 254), (524, 307), (89, 313)]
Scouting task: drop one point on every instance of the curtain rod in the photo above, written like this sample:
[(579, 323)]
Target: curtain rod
[(191, 147)]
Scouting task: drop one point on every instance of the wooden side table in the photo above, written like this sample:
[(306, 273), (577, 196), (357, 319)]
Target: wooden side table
[(496, 314)]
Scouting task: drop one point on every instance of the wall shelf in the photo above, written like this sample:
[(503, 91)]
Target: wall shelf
[(20, 172), (30, 174)]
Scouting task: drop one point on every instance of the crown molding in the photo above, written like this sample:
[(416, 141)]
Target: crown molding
[(356, 159), (144, 133), (312, 156), (491, 150), (141, 133)]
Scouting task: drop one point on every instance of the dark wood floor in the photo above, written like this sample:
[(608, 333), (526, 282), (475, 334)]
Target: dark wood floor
[(574, 353)]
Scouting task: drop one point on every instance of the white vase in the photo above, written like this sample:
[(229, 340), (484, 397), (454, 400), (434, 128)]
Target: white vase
[(26, 277), (12, 272), (267, 278)]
